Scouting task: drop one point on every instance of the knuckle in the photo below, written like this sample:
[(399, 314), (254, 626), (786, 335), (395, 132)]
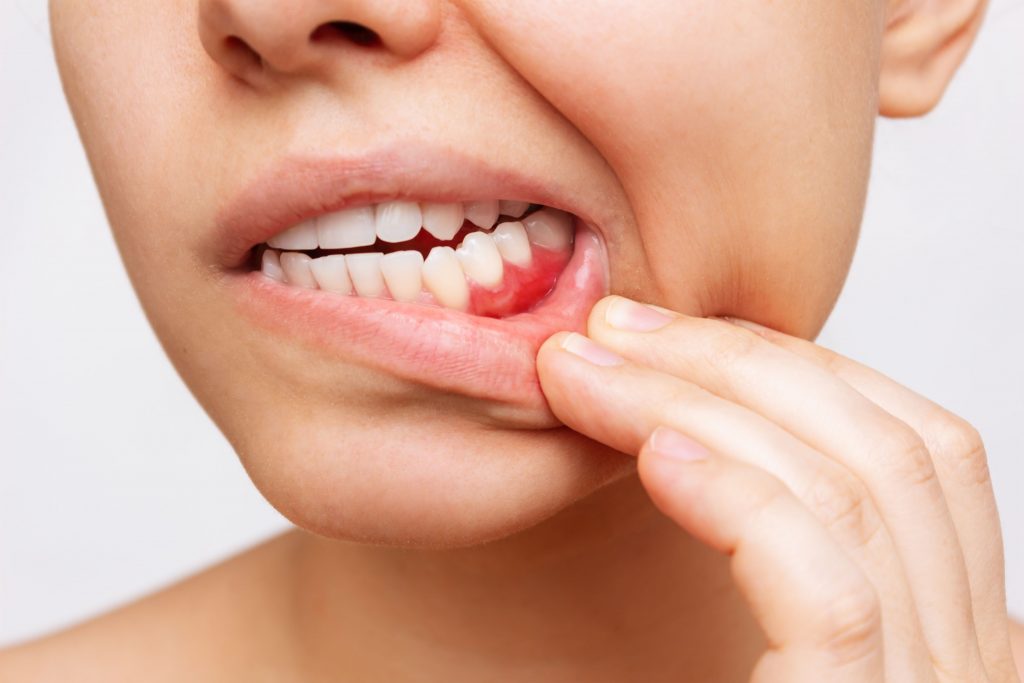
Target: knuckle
[(766, 496), (682, 399), (960, 448), (853, 623), (769, 494), (905, 454), (832, 361), (730, 346), (845, 507)]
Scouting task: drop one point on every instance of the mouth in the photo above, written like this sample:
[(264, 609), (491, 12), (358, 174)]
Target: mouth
[(408, 267)]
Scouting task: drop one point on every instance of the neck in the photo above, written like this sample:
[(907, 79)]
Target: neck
[(607, 590)]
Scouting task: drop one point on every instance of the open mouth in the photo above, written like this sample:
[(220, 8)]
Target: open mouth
[(410, 263), (493, 258)]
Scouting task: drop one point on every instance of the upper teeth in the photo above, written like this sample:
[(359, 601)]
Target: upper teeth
[(482, 214), (445, 273), (442, 221), (395, 221), (339, 230), (398, 221)]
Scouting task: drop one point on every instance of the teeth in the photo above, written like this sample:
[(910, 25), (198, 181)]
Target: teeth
[(296, 269), (442, 220), (331, 273), (482, 214), (480, 259), (446, 273), (403, 273), (346, 229), (444, 278), (398, 221), (549, 228), (512, 209), (271, 265), (301, 236), (513, 243), (364, 269)]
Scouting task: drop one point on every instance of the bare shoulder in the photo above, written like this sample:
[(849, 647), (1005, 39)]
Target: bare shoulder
[(187, 631)]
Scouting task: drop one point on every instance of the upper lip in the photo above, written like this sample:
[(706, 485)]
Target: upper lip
[(301, 187)]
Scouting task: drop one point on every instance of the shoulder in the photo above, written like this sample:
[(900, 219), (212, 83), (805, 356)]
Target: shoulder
[(201, 628)]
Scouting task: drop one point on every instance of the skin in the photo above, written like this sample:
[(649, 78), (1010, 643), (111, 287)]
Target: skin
[(829, 505)]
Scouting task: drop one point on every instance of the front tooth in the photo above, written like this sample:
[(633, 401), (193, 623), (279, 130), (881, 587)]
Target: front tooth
[(512, 209), (442, 220), (398, 221), (444, 278), (271, 265), (403, 273), (296, 269), (301, 236), (513, 243), (331, 273), (364, 269), (480, 259), (549, 228), (347, 228), (483, 214)]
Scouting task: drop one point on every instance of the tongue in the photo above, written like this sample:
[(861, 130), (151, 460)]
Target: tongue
[(521, 288)]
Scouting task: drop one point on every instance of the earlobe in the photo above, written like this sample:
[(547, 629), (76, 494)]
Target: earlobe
[(924, 43)]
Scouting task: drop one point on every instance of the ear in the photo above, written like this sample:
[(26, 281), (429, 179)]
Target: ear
[(923, 44)]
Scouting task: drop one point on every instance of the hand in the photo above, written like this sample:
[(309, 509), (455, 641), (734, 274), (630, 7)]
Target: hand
[(814, 472)]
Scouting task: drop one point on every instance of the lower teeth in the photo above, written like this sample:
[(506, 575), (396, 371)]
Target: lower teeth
[(495, 273)]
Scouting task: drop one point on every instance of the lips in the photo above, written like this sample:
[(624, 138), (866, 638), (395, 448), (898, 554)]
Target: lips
[(483, 349)]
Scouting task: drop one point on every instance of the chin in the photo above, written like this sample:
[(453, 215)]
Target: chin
[(437, 484)]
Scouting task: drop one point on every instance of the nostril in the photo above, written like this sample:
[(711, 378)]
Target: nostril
[(346, 30), (242, 52)]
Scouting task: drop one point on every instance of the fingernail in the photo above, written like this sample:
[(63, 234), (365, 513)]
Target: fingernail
[(670, 444), (587, 350), (630, 316)]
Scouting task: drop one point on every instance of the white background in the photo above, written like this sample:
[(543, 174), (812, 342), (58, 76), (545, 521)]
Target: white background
[(113, 482)]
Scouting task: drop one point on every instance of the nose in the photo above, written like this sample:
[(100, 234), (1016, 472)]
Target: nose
[(249, 38)]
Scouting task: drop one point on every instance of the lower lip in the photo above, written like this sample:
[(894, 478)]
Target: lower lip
[(485, 358)]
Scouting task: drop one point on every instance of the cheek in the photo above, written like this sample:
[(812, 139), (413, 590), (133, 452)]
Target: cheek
[(740, 131), (131, 73)]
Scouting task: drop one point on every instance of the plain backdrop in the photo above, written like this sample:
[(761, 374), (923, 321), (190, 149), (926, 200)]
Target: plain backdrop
[(113, 482)]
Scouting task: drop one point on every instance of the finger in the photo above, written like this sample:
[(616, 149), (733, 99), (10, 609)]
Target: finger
[(834, 419), (620, 403), (820, 614), (961, 465)]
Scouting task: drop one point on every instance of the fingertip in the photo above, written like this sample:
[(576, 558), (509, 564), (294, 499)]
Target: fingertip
[(669, 465), (553, 343), (600, 315), (667, 452), (669, 444), (558, 361), (596, 319), (548, 356)]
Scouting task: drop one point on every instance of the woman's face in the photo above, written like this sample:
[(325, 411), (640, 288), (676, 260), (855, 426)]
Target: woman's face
[(716, 152)]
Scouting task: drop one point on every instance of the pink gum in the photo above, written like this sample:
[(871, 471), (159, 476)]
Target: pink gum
[(521, 288)]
